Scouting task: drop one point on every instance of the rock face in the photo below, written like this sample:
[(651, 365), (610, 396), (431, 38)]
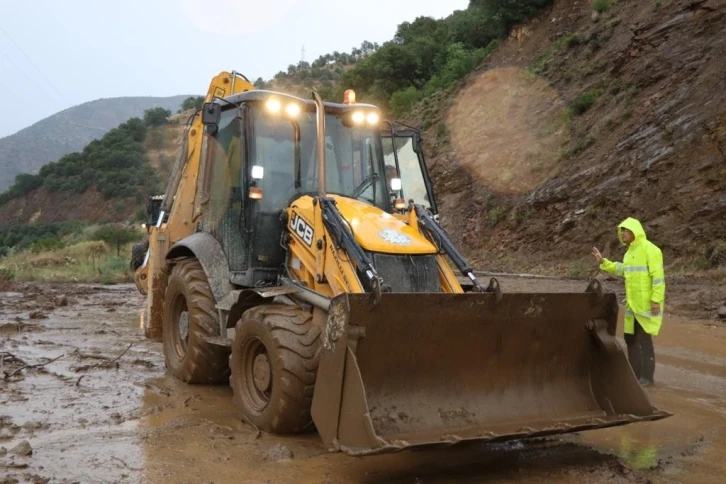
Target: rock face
[(643, 96)]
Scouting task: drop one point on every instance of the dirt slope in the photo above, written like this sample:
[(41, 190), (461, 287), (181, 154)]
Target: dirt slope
[(539, 186), (43, 206)]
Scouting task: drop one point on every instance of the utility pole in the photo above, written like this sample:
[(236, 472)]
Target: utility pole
[(302, 57)]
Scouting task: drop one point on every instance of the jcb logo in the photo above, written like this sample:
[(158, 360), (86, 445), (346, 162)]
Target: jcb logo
[(302, 229)]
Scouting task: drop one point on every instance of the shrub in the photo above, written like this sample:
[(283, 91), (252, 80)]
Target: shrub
[(601, 6), (403, 100), (715, 254), (45, 244), (584, 102), (156, 117), (195, 102)]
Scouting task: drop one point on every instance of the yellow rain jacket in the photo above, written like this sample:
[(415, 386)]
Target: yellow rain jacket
[(642, 268)]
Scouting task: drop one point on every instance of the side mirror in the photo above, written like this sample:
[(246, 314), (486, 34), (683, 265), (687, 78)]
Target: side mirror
[(211, 114), (417, 143)]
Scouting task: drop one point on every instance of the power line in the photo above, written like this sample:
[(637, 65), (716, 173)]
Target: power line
[(7, 88), (41, 88), (32, 63)]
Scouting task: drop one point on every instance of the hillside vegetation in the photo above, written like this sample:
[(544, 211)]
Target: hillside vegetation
[(425, 56), (323, 74), (70, 131)]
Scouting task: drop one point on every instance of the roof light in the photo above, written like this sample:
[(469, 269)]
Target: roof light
[(358, 117), (293, 110), (372, 118), (349, 96), (273, 106)]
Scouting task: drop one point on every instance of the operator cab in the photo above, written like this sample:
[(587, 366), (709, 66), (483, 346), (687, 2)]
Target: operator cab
[(261, 155)]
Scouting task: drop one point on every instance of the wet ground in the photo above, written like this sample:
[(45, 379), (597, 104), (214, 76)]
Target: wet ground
[(84, 398)]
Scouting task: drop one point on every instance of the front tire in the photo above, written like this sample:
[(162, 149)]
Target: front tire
[(273, 365), (188, 316)]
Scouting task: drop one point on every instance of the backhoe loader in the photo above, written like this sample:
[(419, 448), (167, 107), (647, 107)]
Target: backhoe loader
[(297, 255)]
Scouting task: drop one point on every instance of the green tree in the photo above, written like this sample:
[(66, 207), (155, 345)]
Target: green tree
[(156, 116), (193, 102), (117, 235)]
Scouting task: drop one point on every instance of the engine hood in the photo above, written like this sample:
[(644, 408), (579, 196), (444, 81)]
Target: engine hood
[(374, 229)]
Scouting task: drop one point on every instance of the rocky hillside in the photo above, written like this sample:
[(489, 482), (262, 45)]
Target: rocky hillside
[(69, 131), (589, 114)]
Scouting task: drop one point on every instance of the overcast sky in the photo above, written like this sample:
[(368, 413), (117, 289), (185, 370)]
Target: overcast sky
[(57, 54)]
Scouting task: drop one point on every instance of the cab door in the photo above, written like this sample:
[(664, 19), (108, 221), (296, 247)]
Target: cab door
[(403, 151)]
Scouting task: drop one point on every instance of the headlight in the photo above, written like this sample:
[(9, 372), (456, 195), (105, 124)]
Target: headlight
[(273, 106), (293, 110), (358, 117)]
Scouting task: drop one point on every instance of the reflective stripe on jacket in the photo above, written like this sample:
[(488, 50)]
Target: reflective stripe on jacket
[(642, 268)]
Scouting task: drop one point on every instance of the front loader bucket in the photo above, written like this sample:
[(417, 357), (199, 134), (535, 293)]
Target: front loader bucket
[(423, 369)]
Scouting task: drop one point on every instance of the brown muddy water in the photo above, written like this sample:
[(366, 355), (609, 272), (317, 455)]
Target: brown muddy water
[(104, 411)]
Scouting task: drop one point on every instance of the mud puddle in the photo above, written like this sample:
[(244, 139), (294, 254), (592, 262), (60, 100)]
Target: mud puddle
[(84, 398)]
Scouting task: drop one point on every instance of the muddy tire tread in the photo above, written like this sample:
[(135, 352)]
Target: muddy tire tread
[(297, 350), (203, 363)]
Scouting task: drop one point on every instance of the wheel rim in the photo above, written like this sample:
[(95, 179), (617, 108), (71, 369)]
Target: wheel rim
[(180, 327), (256, 375)]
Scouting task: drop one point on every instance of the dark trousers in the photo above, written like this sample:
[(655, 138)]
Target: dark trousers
[(641, 353)]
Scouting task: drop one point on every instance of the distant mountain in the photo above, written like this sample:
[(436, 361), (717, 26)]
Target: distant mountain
[(69, 131)]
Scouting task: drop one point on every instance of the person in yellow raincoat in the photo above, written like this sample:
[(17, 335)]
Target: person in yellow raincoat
[(642, 268)]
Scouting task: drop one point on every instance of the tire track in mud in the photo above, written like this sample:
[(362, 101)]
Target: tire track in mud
[(106, 411)]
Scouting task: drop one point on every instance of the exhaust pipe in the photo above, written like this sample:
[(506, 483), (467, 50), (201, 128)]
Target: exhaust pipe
[(320, 112)]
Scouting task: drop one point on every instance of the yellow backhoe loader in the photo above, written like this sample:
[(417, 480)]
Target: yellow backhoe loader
[(297, 254)]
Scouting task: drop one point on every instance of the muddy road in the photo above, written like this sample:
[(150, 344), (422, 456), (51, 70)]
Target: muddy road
[(84, 398)]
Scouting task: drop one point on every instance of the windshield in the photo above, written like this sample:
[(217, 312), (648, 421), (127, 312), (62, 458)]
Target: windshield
[(286, 148), (413, 185)]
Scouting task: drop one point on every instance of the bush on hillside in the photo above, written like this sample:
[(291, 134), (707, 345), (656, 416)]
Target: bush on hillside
[(156, 117), (193, 102)]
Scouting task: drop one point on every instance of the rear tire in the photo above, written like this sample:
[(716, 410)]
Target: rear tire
[(273, 365), (138, 254), (188, 316)]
